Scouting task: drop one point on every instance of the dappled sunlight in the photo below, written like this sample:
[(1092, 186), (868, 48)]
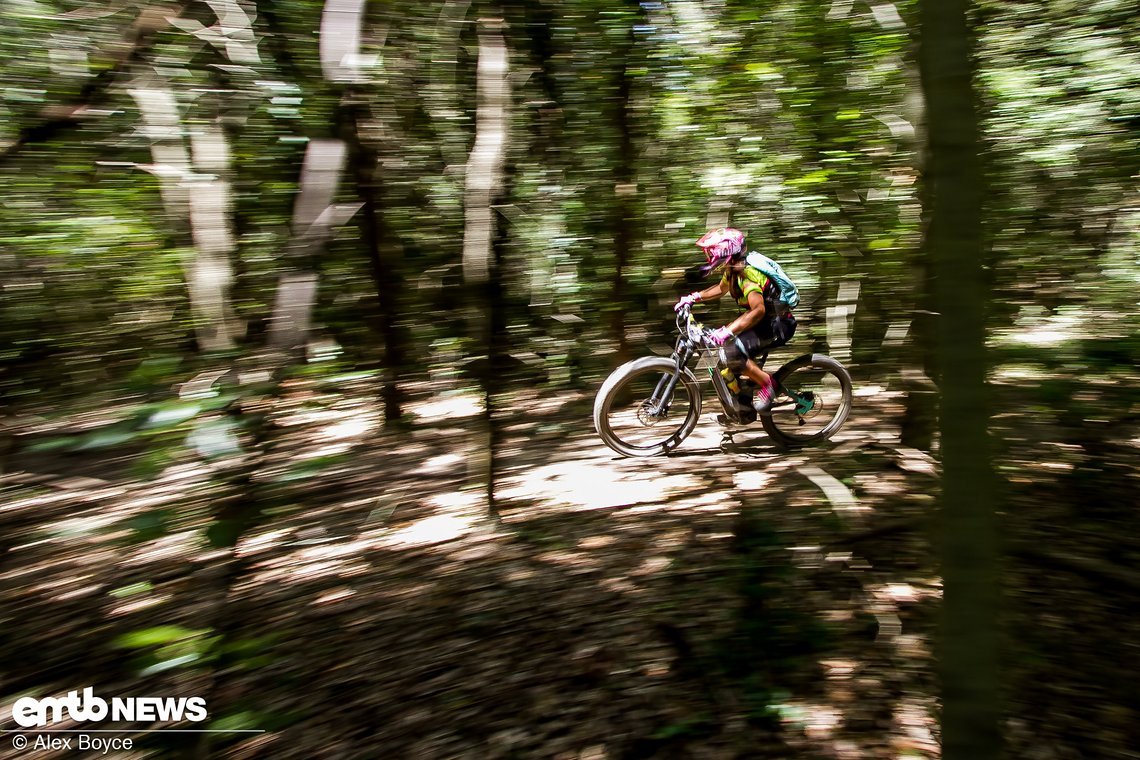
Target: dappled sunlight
[(916, 722), (173, 546), (351, 428), (441, 463), (333, 596), (588, 485), (342, 560), (1036, 329), (431, 530), (751, 480), (447, 409), (138, 605), (601, 570)]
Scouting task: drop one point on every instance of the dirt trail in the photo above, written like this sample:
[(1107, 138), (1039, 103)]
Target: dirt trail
[(725, 601)]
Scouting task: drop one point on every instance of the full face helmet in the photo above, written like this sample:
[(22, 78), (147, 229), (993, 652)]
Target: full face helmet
[(721, 246)]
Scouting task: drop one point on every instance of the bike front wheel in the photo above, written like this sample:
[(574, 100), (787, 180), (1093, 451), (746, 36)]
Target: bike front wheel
[(629, 415), (814, 401)]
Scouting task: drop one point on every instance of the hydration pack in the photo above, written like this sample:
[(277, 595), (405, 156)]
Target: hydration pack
[(789, 296)]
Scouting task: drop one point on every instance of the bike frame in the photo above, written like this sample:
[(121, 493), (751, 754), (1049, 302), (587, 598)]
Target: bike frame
[(693, 341)]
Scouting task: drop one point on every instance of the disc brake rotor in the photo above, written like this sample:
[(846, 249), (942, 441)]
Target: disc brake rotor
[(646, 416)]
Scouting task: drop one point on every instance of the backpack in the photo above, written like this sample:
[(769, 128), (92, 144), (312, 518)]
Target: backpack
[(789, 296)]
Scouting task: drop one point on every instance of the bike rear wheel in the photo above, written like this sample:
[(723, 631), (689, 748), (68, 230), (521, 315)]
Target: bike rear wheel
[(814, 401), (626, 416)]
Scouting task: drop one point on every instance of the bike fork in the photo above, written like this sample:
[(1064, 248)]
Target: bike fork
[(665, 387), (664, 392)]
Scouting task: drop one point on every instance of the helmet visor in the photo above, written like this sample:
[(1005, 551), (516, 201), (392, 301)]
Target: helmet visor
[(716, 256), (720, 246)]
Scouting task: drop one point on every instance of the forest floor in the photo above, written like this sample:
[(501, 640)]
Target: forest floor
[(728, 601)]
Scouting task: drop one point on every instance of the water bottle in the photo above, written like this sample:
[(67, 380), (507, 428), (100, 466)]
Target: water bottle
[(733, 383)]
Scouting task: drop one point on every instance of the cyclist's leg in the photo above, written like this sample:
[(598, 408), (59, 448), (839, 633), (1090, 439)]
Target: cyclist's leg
[(755, 341), (769, 334)]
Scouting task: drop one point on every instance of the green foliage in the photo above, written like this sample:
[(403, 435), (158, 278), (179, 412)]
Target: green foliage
[(689, 728), (795, 120), (168, 647)]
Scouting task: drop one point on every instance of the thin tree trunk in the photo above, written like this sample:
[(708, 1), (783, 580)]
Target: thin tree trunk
[(920, 409), (211, 211), (342, 23), (968, 642), (625, 194), (341, 31), (196, 196), (920, 415), (315, 215), (484, 178), (383, 253)]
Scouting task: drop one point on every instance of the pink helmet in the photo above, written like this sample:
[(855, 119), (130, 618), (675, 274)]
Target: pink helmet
[(721, 246)]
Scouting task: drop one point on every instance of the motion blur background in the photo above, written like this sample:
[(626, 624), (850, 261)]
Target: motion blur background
[(303, 306)]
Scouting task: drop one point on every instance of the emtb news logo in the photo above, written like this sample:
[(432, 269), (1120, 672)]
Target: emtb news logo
[(30, 712)]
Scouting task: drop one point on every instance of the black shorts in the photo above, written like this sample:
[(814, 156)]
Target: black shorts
[(769, 334)]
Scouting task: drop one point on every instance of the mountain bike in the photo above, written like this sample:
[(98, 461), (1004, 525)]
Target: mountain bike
[(648, 406)]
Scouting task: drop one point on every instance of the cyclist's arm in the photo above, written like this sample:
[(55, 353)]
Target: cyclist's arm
[(714, 292), (750, 318)]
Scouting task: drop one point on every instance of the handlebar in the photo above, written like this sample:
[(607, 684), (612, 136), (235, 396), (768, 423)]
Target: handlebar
[(688, 326), (697, 332)]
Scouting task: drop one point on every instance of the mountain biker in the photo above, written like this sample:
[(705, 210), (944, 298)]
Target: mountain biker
[(760, 326)]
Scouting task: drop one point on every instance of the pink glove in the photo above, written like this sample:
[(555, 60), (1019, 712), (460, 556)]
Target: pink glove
[(688, 300), (720, 335)]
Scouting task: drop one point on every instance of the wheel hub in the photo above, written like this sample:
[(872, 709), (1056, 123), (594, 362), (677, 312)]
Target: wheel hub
[(646, 416), (808, 405)]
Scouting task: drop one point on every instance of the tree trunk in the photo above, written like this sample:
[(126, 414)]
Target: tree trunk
[(315, 215), (484, 178), (920, 415), (625, 196), (195, 194), (968, 642), (383, 254), (342, 22)]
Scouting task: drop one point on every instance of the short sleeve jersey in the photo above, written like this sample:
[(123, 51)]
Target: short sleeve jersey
[(750, 280)]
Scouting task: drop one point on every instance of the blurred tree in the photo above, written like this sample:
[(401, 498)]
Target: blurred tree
[(968, 641), (626, 224), (118, 58), (481, 268)]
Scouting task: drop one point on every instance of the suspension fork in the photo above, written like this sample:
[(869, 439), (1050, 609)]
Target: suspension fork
[(663, 393)]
